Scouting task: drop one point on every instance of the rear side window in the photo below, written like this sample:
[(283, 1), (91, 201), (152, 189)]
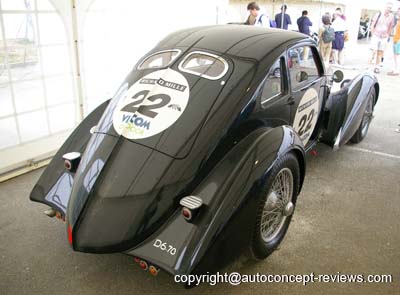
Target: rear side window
[(205, 65), (159, 60), (273, 86)]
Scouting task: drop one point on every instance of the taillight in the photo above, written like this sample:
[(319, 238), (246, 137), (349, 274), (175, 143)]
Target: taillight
[(67, 164), (69, 230), (190, 206), (71, 161), (187, 214), (153, 270), (143, 265)]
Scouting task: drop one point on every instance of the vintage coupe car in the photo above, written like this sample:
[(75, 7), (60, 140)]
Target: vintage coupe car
[(200, 155)]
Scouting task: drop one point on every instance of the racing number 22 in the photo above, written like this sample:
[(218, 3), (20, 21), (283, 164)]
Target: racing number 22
[(306, 119), (146, 110)]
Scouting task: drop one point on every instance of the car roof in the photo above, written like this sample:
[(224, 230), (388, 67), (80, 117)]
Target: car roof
[(236, 40)]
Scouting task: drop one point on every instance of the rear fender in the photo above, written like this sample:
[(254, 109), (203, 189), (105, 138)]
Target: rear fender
[(224, 223), (345, 108), (55, 184)]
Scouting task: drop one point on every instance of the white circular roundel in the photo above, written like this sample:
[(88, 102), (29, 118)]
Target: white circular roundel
[(306, 115), (152, 104)]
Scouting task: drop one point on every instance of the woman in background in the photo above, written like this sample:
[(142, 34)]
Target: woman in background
[(325, 47)]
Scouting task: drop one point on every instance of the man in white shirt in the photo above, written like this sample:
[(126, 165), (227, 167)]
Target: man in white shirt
[(256, 17), (339, 25)]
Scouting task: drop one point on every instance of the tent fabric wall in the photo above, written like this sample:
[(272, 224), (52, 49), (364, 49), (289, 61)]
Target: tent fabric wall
[(37, 93), (70, 56)]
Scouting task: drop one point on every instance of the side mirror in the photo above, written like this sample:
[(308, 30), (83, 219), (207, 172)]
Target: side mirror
[(338, 76), (277, 72), (301, 76)]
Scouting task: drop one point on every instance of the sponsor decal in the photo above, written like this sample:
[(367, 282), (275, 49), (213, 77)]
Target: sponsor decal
[(306, 115), (175, 107), (171, 85), (151, 105)]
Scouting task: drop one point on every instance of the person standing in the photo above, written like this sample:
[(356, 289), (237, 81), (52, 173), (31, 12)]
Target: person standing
[(381, 26), (339, 25), (304, 23), (282, 19), (256, 17), (396, 46), (339, 13), (326, 35)]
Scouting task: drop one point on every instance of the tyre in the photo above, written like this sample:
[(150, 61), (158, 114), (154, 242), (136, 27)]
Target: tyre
[(366, 120), (276, 202)]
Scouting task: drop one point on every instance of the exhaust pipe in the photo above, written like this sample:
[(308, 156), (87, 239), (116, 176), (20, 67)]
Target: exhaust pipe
[(50, 212)]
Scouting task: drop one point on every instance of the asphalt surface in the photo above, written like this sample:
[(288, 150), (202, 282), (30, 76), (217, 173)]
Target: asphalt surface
[(346, 220)]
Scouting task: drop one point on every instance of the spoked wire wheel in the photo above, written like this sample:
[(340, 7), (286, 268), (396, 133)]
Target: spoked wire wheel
[(367, 118), (368, 115), (276, 198), (278, 205)]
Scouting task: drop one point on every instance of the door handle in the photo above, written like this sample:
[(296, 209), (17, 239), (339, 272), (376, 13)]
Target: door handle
[(290, 101)]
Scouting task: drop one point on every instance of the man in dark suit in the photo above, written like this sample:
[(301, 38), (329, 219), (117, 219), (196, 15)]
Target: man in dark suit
[(304, 23), (282, 19)]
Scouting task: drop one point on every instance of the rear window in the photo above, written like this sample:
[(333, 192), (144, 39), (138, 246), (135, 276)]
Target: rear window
[(204, 64), (159, 60)]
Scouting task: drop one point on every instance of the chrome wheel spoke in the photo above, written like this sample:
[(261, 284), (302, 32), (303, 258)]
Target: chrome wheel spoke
[(273, 211), (273, 216), (367, 117)]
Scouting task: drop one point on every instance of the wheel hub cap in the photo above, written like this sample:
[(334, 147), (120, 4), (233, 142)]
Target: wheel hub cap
[(289, 208)]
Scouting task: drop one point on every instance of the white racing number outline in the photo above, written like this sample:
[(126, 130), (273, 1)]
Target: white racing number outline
[(306, 115), (152, 104)]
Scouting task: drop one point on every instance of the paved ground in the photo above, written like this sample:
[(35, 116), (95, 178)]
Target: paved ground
[(346, 221)]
